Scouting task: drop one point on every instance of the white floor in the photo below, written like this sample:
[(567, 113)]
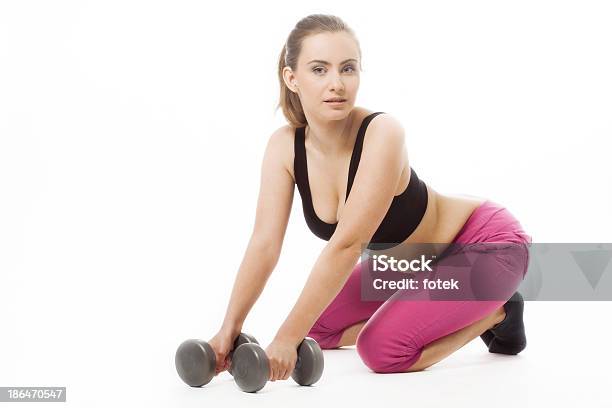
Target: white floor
[(563, 366), (560, 367)]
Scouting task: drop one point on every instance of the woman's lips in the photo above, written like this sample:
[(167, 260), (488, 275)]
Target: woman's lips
[(335, 102)]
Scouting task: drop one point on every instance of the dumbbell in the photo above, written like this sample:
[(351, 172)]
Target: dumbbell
[(195, 359), (252, 368)]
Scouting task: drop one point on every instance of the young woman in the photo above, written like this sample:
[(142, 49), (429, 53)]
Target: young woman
[(353, 175)]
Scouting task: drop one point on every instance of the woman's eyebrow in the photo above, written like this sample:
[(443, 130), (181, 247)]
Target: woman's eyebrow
[(328, 63)]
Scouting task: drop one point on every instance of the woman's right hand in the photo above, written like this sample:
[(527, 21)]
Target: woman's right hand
[(222, 344)]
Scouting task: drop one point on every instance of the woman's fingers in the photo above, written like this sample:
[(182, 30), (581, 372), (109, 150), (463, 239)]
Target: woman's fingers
[(272, 372), (279, 372)]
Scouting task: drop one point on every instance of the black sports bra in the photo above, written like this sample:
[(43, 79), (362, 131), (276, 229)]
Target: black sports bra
[(405, 212)]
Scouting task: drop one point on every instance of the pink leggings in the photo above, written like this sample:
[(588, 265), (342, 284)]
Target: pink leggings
[(397, 331)]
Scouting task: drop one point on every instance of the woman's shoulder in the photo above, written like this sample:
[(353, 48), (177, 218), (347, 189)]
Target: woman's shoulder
[(280, 147), (386, 121)]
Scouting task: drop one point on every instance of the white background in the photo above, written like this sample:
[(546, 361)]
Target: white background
[(131, 139)]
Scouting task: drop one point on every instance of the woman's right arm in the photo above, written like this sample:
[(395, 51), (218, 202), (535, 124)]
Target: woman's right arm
[(271, 219)]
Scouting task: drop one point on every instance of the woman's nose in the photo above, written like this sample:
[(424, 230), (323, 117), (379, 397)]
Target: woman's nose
[(336, 82)]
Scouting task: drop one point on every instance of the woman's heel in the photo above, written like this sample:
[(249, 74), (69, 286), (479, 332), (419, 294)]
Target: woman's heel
[(498, 346)]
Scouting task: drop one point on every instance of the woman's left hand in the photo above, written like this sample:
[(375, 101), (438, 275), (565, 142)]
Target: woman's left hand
[(282, 357)]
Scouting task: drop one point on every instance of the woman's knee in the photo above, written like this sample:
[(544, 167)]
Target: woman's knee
[(385, 353), (328, 338)]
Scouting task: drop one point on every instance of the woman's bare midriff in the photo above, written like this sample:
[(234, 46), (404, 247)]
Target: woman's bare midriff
[(444, 217)]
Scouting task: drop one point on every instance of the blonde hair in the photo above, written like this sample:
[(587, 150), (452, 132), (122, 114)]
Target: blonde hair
[(309, 25)]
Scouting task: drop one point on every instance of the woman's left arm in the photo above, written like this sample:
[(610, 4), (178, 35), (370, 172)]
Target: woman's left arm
[(378, 174)]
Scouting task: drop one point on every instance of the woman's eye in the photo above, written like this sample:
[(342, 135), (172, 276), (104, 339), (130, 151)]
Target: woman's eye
[(318, 69)]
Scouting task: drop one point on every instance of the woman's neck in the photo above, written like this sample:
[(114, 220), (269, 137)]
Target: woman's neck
[(330, 137)]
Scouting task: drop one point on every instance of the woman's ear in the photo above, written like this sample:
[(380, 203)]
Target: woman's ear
[(289, 79)]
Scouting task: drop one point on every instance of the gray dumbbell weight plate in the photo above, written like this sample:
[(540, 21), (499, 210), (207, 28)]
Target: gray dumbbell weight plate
[(195, 362), (240, 340), (309, 366), (251, 367)]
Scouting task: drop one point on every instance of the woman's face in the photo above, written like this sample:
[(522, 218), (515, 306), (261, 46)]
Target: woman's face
[(328, 67)]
